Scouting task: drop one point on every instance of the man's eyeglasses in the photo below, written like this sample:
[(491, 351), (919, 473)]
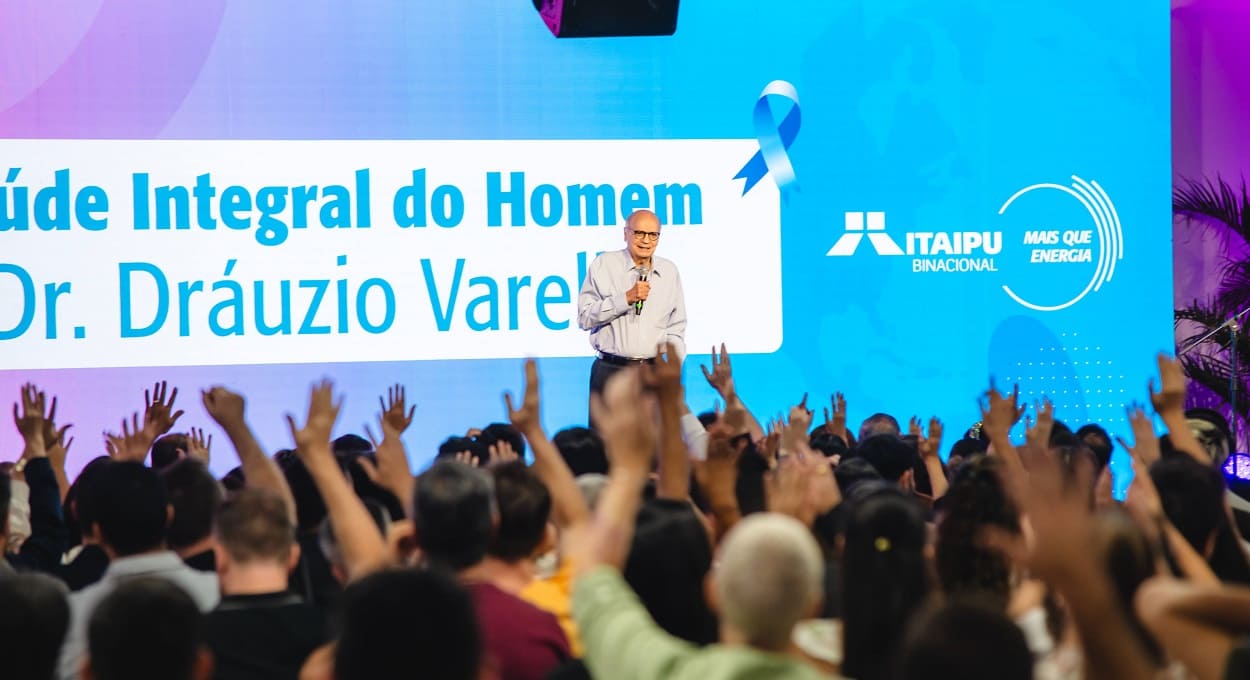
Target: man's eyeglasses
[(646, 235)]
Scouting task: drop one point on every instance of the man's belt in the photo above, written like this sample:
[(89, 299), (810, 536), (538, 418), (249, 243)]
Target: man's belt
[(623, 361)]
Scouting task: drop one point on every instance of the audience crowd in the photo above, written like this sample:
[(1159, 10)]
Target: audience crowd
[(660, 544)]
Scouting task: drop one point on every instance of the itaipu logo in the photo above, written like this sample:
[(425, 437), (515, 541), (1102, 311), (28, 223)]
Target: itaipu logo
[(976, 251)]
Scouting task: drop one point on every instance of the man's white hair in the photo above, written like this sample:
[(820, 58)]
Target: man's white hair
[(769, 574)]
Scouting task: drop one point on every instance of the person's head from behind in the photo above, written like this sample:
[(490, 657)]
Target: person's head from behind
[(503, 432), (1212, 430), (34, 615), (582, 450), (968, 639), (168, 450), (194, 495), (769, 575), (962, 450), (147, 629), (853, 471), (976, 500), (1192, 495), (828, 445), (884, 576), (416, 619), (78, 508), (524, 513), (1098, 441), (456, 444), (454, 514), (669, 559), (878, 424), (131, 509), (254, 535), (894, 458)]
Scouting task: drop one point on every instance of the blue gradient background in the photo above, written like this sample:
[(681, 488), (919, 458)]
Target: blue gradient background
[(933, 112)]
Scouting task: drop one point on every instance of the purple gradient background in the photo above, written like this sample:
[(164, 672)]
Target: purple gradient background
[(1210, 123), (281, 69)]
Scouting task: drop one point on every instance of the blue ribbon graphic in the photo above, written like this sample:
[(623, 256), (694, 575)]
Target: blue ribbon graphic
[(774, 139)]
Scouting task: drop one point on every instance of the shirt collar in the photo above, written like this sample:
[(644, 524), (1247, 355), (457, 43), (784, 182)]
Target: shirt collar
[(144, 564), (630, 266)]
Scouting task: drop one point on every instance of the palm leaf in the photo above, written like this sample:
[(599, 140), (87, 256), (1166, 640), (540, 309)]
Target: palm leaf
[(1234, 294), (1214, 203), (1214, 374)]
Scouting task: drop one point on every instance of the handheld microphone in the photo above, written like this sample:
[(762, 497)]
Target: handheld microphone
[(642, 276)]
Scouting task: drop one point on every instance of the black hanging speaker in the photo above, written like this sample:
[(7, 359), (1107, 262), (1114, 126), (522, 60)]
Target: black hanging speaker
[(608, 18)]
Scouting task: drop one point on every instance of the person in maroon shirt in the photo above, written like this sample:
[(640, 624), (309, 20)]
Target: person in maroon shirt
[(454, 520)]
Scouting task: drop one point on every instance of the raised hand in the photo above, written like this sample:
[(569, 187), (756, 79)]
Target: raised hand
[(395, 419), (802, 487), (914, 427), (199, 446), (30, 421), (392, 471), (132, 445), (50, 425), (312, 441), (794, 432), (467, 458), (1037, 435), (721, 377), (223, 406), (931, 445), (1145, 444), (769, 447), (1169, 400), (835, 417), (1000, 412), (158, 413), (664, 376), (58, 448), (823, 493), (528, 415), (501, 452)]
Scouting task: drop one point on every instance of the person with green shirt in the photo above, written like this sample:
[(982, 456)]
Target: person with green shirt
[(768, 575)]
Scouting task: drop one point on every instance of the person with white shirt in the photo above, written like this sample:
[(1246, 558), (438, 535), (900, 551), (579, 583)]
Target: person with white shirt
[(133, 517), (631, 302)]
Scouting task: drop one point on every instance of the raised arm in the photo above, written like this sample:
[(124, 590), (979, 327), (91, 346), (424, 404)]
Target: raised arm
[(48, 535), (622, 641), (665, 378), (392, 471), (623, 414), (1199, 625), (929, 448), (721, 378), (364, 548), (567, 503), (999, 413), (1169, 403), (227, 409), (1067, 553)]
